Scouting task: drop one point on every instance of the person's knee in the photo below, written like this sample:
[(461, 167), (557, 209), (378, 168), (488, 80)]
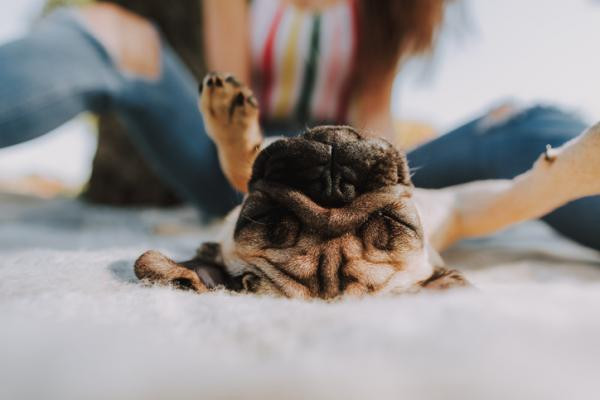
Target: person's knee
[(543, 121), (132, 41)]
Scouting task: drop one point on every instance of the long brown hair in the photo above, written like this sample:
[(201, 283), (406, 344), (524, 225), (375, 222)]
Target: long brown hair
[(390, 31)]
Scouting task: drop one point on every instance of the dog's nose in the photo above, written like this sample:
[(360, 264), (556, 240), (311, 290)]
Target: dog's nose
[(331, 164)]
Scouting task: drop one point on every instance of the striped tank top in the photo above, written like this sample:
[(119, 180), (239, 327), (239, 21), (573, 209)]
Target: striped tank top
[(302, 61)]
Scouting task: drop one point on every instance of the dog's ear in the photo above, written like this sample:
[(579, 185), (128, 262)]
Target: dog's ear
[(202, 273), (444, 278), (209, 266)]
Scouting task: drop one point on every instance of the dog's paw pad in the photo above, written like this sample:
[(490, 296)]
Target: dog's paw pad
[(226, 103), (230, 113)]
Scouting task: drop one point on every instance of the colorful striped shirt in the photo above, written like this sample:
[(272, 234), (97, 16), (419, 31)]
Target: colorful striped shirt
[(302, 61)]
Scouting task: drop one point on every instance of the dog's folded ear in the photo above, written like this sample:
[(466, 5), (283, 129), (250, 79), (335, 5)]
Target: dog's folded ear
[(201, 274)]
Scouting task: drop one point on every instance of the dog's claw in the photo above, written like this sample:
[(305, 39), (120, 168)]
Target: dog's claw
[(550, 153), (252, 101)]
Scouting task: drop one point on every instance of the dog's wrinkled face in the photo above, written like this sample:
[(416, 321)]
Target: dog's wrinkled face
[(328, 213)]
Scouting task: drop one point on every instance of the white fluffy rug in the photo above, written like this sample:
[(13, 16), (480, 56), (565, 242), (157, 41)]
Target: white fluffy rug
[(75, 323)]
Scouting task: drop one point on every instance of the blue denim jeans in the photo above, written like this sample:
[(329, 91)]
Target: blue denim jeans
[(478, 151), (60, 70)]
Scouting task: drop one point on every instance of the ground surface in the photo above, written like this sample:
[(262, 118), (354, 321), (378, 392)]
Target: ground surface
[(75, 323)]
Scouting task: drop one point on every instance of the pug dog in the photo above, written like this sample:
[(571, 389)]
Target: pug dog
[(332, 213)]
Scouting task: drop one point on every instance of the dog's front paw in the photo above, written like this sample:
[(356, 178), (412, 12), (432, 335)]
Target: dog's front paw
[(230, 113), (229, 108)]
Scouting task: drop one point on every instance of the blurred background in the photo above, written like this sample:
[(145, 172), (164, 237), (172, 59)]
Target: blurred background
[(489, 52)]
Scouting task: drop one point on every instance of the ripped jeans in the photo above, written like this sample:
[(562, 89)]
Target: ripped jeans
[(477, 151), (60, 70)]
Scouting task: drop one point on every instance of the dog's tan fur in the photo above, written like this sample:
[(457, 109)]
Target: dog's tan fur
[(231, 118), (370, 231)]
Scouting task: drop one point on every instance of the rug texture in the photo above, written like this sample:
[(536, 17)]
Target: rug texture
[(76, 324)]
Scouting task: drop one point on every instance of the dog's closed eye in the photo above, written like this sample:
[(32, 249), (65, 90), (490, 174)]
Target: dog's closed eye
[(383, 230), (282, 229), (279, 228)]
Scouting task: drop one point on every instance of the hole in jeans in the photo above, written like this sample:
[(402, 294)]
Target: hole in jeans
[(133, 42)]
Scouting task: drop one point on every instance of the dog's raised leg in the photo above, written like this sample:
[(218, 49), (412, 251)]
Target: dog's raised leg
[(230, 113), (479, 208)]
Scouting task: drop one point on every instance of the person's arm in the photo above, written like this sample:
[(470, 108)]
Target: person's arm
[(370, 110), (226, 31)]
